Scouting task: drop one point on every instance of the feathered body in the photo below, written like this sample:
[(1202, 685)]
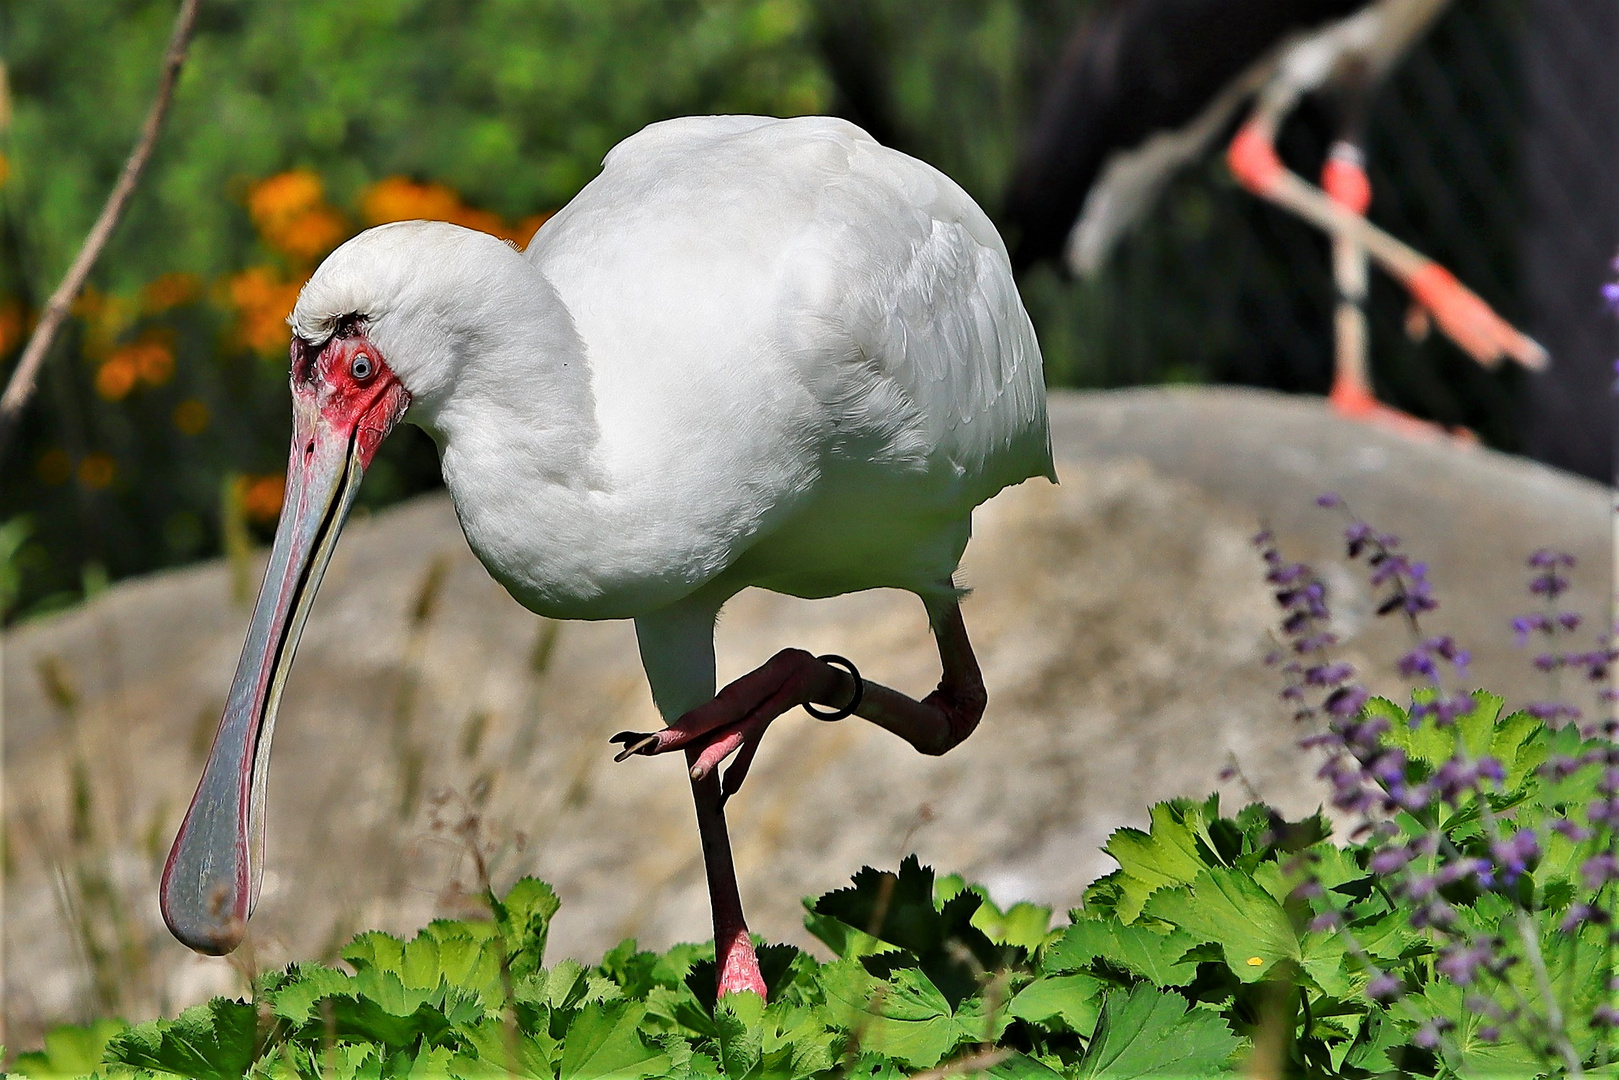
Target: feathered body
[(750, 352)]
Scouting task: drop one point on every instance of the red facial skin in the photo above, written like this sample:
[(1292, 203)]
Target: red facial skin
[(326, 379)]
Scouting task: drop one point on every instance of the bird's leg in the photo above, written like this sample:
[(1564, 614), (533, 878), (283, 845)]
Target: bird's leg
[(1343, 178), (738, 964), (1459, 312), (736, 720)]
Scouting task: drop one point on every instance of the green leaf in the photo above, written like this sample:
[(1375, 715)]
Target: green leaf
[(900, 909), (295, 1000), (1160, 958), (1024, 925), (904, 1017), (216, 1041), (1464, 1051), (524, 917), (1476, 727), (1231, 910), (1073, 1001), (1166, 855), (69, 1051), (604, 1043), (1017, 1067), (1520, 746), (1150, 1033)]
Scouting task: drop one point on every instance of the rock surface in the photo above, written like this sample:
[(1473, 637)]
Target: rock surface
[(1120, 620)]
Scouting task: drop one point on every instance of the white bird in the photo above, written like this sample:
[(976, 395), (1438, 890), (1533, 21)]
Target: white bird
[(751, 352)]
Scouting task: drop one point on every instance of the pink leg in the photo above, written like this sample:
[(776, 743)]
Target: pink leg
[(733, 950), (735, 721)]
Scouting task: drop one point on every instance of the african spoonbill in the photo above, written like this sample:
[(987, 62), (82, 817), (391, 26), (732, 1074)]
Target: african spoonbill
[(750, 352)]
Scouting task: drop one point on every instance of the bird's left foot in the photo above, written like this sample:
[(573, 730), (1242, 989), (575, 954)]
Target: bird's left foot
[(736, 720)]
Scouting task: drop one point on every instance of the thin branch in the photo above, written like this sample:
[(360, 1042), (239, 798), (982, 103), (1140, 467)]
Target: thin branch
[(26, 374)]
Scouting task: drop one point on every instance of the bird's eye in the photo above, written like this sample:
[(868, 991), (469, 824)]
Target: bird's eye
[(361, 367)]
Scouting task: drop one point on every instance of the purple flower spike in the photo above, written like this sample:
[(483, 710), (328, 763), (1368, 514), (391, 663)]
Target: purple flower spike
[(1384, 987)]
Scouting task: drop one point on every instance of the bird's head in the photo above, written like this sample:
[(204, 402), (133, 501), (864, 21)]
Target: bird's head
[(399, 317), (345, 400)]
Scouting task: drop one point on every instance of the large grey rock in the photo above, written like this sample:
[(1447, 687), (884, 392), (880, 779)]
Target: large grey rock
[(1120, 619)]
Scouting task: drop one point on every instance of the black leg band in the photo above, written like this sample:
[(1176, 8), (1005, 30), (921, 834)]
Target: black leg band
[(854, 702)]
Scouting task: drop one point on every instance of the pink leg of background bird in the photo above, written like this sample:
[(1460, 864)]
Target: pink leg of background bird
[(1458, 312), (1344, 180), (736, 720)]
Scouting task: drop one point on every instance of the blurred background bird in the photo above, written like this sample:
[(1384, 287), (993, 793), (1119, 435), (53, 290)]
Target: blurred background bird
[(1151, 86)]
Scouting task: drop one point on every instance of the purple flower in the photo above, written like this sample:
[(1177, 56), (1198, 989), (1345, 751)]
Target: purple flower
[(1570, 830), (1328, 499), (1460, 963), (1347, 701), (1524, 625), (1390, 860), (1418, 662), (1383, 987), (1514, 854), (1357, 534), (1547, 558), (1427, 1036), (1580, 914), (1599, 869), (1328, 674)]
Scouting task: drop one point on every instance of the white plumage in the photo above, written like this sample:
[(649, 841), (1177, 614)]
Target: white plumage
[(751, 352)]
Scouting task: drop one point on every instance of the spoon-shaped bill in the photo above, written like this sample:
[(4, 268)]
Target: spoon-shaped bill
[(211, 880)]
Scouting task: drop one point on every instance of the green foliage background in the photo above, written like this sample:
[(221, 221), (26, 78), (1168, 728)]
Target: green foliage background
[(1198, 957)]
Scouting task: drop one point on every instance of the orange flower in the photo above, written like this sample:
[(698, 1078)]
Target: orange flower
[(262, 303), (154, 359), (169, 290), (116, 378), (191, 417), (284, 195), (261, 497), (55, 467), (291, 216), (398, 198), (97, 470), (149, 360), (309, 235)]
